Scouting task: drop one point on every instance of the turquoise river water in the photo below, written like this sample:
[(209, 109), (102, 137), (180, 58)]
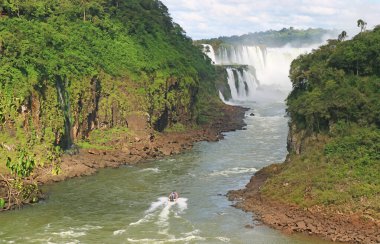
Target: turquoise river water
[(129, 204)]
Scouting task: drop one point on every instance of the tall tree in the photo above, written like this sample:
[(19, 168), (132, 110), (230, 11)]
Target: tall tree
[(362, 24), (84, 4), (342, 36)]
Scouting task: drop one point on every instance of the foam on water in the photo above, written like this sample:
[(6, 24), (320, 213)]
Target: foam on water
[(168, 240), (147, 218), (118, 232), (231, 171), (182, 204), (160, 214), (74, 232), (162, 222), (87, 227), (47, 226), (223, 239), (154, 170), (69, 233), (159, 203)]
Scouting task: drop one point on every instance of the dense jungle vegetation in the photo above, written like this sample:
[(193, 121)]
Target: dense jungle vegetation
[(274, 38), (68, 67), (334, 109)]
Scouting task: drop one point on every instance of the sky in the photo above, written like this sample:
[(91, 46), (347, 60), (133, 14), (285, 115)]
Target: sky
[(213, 18)]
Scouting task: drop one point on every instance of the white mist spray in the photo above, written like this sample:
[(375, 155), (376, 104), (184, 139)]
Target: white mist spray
[(209, 51), (265, 75)]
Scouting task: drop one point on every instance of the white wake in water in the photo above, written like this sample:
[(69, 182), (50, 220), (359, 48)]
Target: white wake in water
[(159, 218), (160, 207)]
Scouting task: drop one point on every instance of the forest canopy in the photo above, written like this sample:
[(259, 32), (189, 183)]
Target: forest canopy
[(334, 139), (68, 67), (275, 38)]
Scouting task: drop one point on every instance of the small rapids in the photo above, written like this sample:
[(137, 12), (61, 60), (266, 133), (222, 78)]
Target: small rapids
[(130, 204)]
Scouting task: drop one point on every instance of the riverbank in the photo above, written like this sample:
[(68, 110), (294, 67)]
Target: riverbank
[(145, 144), (142, 144), (326, 223)]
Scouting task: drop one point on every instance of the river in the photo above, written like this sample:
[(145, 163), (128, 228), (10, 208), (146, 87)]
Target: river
[(129, 204)]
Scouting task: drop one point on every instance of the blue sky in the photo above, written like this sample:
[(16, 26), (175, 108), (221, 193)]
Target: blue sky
[(213, 18)]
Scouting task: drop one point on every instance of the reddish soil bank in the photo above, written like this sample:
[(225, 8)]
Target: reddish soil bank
[(143, 145), (318, 221)]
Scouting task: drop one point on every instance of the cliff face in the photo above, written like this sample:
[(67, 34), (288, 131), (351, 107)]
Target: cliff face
[(71, 112), (333, 139), (294, 140), (299, 139), (67, 70)]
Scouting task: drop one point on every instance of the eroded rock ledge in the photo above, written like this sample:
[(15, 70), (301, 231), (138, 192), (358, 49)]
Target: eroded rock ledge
[(319, 221), (144, 145)]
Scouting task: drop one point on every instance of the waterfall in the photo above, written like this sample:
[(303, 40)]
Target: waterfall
[(209, 51), (242, 83), (256, 72)]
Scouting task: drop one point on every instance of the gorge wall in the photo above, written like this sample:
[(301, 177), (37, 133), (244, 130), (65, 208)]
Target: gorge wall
[(67, 70)]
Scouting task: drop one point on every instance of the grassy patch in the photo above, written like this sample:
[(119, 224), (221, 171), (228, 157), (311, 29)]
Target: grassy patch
[(177, 127), (88, 145), (3, 168), (104, 139), (344, 172)]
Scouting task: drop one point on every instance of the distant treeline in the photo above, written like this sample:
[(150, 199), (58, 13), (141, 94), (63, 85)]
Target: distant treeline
[(274, 38)]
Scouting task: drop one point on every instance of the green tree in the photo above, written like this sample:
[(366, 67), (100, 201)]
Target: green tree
[(23, 166), (342, 36), (362, 24), (69, 67)]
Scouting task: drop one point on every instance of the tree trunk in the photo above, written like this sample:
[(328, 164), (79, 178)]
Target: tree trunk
[(357, 68)]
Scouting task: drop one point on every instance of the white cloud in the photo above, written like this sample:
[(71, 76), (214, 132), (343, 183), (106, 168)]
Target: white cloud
[(318, 10), (213, 18)]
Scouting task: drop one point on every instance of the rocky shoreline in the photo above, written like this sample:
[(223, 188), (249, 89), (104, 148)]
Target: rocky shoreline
[(142, 145), (325, 223)]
